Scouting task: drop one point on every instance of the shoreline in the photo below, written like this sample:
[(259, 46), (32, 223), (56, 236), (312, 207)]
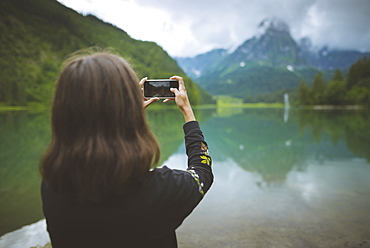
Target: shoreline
[(334, 107), (33, 106)]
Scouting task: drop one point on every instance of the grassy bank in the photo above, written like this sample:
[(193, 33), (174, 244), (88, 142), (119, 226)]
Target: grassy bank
[(157, 105), (32, 106), (251, 105)]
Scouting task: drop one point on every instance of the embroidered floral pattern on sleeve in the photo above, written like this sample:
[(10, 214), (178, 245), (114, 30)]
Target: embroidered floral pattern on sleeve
[(204, 148), (197, 179), (205, 159)]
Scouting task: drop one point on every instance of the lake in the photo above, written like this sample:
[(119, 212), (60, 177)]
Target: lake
[(283, 177)]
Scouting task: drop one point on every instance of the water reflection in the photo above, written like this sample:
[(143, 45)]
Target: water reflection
[(28, 236), (263, 142), (258, 141), (351, 127), (324, 205), (280, 177), (289, 184), (23, 138)]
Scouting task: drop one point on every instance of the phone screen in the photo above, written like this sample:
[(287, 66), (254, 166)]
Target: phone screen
[(160, 88)]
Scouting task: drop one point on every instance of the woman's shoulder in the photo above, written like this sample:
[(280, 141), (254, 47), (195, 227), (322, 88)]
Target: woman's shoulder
[(167, 175), (167, 180), (172, 186)]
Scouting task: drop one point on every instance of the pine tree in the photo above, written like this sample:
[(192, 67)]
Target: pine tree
[(338, 76), (358, 71), (358, 82), (336, 93), (318, 89), (304, 94)]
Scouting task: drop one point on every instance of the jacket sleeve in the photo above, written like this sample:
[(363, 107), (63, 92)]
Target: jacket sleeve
[(199, 160), (183, 190)]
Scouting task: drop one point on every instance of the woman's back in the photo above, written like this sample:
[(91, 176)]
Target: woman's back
[(98, 189), (146, 216)]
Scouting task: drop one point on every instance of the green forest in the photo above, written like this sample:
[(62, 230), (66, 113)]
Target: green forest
[(350, 89), (354, 90), (38, 35)]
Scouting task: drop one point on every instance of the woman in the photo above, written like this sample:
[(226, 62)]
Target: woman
[(101, 187)]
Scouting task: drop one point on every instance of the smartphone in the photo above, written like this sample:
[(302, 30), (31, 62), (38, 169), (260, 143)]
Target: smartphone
[(160, 88)]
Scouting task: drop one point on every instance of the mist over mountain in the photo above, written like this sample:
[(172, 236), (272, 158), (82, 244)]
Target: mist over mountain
[(274, 46), (329, 59), (268, 62)]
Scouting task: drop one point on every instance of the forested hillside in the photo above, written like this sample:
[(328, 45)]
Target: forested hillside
[(36, 36), (353, 90)]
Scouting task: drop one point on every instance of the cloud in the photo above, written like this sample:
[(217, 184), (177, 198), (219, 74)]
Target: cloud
[(227, 24), (339, 24), (190, 27)]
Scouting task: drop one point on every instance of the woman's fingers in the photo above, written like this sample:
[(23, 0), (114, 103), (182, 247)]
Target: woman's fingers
[(150, 101), (142, 81), (181, 82), (181, 92), (168, 100), (175, 91)]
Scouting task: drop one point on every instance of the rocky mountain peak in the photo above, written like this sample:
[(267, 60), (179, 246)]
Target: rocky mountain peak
[(273, 45), (273, 25)]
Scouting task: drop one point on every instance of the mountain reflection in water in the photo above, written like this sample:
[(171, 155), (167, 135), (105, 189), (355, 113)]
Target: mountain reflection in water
[(283, 178)]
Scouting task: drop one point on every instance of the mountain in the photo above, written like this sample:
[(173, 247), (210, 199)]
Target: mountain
[(202, 63), (274, 47), (36, 36), (269, 62), (328, 59)]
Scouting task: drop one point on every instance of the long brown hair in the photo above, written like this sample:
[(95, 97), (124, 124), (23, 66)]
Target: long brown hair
[(101, 142)]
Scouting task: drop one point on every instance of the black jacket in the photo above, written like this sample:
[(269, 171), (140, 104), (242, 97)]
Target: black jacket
[(146, 217)]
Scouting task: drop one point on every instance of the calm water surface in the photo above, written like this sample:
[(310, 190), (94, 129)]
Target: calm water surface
[(294, 178)]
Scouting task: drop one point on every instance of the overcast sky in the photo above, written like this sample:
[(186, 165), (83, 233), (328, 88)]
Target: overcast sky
[(190, 27)]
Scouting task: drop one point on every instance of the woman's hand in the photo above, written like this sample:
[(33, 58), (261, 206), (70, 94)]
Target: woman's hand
[(147, 101), (182, 100)]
